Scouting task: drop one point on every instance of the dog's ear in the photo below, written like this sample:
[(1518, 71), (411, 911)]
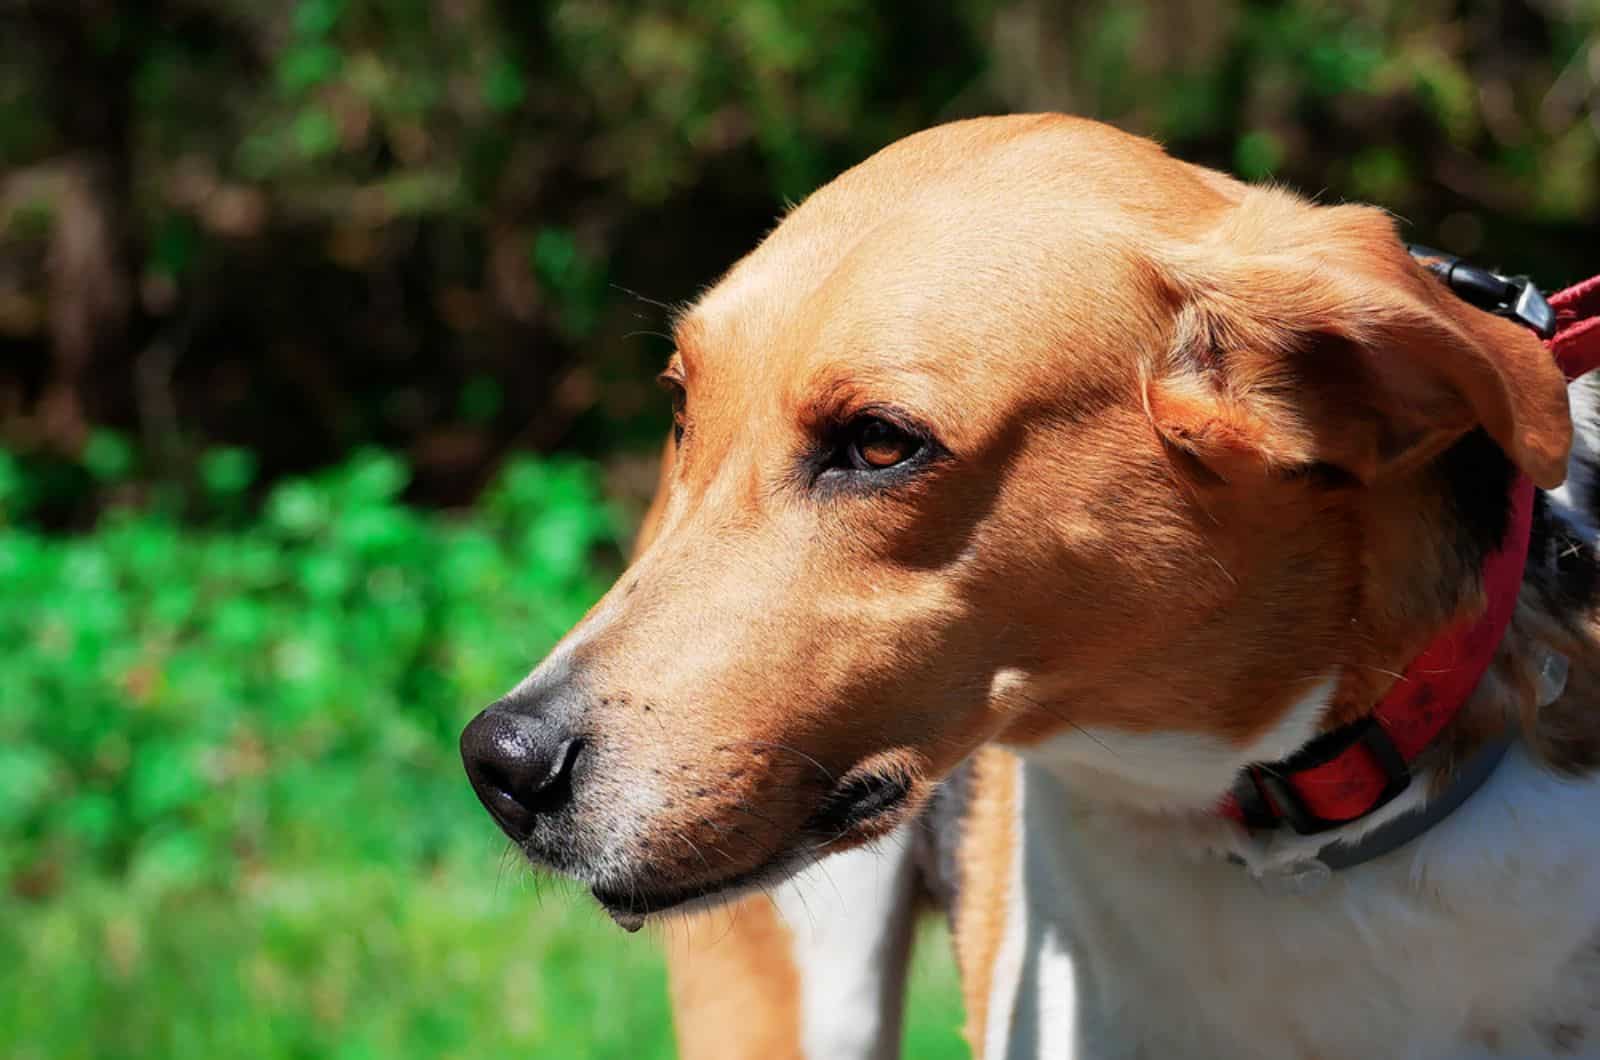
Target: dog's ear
[(1307, 336)]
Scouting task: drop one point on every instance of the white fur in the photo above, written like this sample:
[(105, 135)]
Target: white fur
[(1584, 464), (1033, 996), (1174, 770), (1480, 934), (851, 919)]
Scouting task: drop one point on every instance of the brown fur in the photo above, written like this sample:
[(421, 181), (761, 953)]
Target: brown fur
[(734, 992), (987, 849), (1193, 432)]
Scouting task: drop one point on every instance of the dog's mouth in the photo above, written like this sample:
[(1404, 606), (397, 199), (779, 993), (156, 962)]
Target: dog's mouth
[(631, 907), (860, 808)]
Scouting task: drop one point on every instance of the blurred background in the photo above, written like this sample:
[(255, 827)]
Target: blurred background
[(327, 335)]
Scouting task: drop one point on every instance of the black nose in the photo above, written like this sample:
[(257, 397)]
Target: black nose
[(521, 766)]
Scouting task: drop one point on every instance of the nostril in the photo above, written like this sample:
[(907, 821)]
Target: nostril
[(518, 767), (568, 761), (557, 769), (549, 787)]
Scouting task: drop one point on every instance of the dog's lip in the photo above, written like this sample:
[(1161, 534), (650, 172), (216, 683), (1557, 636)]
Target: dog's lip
[(625, 918), (854, 805), (856, 802), (631, 906)]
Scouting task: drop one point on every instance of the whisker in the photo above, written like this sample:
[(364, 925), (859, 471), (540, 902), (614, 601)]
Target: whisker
[(646, 299), (794, 751)]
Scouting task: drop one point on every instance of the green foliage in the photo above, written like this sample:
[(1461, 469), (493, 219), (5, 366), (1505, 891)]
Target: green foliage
[(184, 704), (576, 281), (348, 961), (358, 961), (232, 817), (228, 701), (227, 473), (340, 211), (108, 457)]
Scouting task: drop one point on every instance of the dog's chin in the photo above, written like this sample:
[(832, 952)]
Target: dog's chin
[(631, 907), (854, 815)]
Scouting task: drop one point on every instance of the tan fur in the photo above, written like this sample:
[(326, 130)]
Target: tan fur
[(1141, 371), (1384, 367), (735, 990), (988, 844), (735, 993)]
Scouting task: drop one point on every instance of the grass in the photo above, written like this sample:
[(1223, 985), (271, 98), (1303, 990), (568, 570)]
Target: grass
[(233, 821), (465, 961)]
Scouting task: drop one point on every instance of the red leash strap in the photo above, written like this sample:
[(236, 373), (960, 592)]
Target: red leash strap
[(1576, 344), (1352, 771)]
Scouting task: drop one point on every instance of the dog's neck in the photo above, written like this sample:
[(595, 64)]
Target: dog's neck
[(1425, 550), (1173, 781)]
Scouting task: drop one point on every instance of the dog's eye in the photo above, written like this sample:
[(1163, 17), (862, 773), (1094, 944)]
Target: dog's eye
[(674, 388), (876, 444), (871, 450)]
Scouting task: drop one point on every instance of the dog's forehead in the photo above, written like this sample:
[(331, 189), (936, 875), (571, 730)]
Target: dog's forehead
[(1024, 241), (944, 292)]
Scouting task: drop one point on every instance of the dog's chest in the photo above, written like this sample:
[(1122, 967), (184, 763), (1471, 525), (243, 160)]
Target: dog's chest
[(1476, 940)]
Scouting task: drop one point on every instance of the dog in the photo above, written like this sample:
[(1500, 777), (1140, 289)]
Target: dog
[(1146, 565)]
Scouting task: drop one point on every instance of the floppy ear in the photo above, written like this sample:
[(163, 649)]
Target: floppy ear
[(1307, 335)]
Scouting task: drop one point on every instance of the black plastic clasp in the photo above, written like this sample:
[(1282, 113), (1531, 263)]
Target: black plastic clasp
[(1273, 780), (1512, 297)]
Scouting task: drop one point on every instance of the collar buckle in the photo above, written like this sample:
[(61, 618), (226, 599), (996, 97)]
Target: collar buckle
[(1273, 782), (1513, 297)]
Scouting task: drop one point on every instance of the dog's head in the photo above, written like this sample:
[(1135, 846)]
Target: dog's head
[(1019, 429)]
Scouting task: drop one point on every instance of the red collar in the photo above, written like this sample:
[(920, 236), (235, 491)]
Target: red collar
[(1354, 770)]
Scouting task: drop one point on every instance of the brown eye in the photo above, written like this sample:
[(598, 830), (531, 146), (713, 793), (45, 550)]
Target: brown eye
[(877, 444), (674, 388)]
